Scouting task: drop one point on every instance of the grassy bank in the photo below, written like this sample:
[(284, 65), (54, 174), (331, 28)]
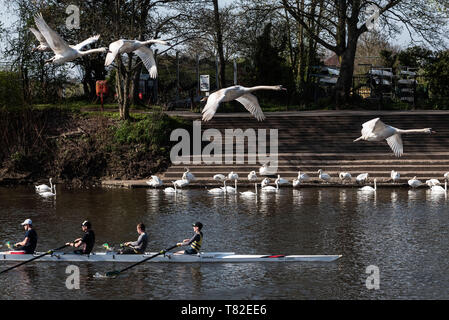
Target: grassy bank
[(81, 147)]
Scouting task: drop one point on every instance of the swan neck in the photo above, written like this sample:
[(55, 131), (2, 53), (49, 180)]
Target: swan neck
[(262, 88), (412, 131)]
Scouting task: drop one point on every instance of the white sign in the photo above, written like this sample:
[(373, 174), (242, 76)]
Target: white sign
[(204, 82)]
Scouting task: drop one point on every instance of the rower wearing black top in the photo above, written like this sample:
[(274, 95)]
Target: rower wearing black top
[(195, 242), (28, 245), (86, 242)]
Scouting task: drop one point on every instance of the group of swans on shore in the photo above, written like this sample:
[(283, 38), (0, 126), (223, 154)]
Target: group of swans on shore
[(45, 190), (49, 40), (362, 178), (187, 177)]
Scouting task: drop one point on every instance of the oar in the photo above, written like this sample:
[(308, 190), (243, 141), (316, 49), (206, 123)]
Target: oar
[(117, 272), (35, 258)]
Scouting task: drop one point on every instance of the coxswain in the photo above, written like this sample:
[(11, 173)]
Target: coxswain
[(195, 242), (28, 245), (86, 243)]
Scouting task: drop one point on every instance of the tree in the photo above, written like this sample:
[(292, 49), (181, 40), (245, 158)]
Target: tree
[(343, 22)]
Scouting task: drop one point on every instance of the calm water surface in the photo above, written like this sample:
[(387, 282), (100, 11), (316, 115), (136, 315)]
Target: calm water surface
[(403, 232)]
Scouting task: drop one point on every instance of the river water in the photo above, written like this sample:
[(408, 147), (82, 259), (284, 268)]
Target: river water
[(404, 233)]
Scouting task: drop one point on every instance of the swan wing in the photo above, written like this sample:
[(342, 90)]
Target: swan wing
[(395, 143), (374, 126), (56, 43), (251, 104), (114, 48), (147, 57), (212, 104), (39, 36), (86, 42)]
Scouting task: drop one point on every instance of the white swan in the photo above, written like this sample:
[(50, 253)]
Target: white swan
[(324, 176), (264, 171), (362, 178), (44, 187), (188, 175), (369, 188), (154, 182), (48, 194), (446, 176), (395, 176), (296, 182), (43, 45), (181, 183), (269, 188), (170, 189), (303, 176), (376, 130), (414, 183), (140, 48), (265, 182), (63, 51), (436, 188), (241, 94), (232, 176), (250, 193), (252, 176), (433, 182), (220, 190), (345, 176), (280, 181)]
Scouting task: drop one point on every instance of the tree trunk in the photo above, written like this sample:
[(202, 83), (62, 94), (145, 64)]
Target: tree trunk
[(344, 83), (220, 45)]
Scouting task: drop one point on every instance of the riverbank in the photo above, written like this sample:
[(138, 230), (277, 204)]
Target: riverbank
[(82, 148)]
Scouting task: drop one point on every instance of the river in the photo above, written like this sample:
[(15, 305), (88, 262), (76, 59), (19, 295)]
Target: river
[(404, 233)]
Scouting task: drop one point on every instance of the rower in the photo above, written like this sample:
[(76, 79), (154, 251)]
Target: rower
[(195, 242), (139, 246), (28, 245), (86, 242)]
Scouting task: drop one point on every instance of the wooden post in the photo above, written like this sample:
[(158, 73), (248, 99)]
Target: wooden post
[(235, 72)]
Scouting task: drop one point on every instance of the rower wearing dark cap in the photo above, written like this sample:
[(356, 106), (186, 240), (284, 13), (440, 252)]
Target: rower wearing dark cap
[(86, 242), (195, 242)]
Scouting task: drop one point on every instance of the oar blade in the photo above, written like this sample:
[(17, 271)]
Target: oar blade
[(112, 274)]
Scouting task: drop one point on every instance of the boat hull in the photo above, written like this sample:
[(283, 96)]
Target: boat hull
[(218, 257)]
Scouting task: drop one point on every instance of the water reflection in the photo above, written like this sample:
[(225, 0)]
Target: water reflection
[(436, 195)]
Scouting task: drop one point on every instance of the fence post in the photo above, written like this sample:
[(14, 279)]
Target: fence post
[(177, 75), (235, 72), (217, 83)]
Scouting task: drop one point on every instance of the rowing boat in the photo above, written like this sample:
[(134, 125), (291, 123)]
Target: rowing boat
[(222, 257)]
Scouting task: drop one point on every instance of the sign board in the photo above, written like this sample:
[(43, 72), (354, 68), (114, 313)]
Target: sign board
[(204, 83)]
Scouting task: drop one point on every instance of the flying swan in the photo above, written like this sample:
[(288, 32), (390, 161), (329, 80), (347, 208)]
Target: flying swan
[(140, 48), (241, 94), (63, 51), (376, 130)]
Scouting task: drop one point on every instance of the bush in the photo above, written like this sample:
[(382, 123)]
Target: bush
[(11, 94)]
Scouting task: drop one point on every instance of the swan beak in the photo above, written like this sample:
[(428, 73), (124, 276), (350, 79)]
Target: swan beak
[(432, 132)]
